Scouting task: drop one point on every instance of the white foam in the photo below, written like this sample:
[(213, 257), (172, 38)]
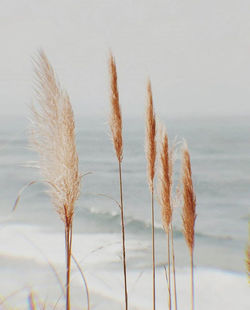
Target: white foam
[(99, 254), (214, 289), (28, 242)]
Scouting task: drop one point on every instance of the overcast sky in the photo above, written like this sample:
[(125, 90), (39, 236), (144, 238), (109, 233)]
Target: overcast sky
[(196, 52)]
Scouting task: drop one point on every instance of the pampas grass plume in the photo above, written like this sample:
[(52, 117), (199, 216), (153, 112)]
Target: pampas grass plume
[(189, 211), (115, 119), (116, 129), (165, 179), (150, 136), (53, 137), (189, 199)]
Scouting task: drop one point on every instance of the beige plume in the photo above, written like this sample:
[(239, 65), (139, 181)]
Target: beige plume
[(150, 136), (165, 179), (189, 199), (115, 120), (53, 137)]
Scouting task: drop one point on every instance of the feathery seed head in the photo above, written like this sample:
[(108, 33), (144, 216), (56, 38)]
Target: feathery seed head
[(150, 144), (115, 115), (53, 137), (165, 179), (189, 199)]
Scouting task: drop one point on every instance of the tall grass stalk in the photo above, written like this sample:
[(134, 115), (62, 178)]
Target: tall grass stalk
[(192, 278), (189, 211), (153, 241), (116, 130), (123, 239), (164, 192), (151, 156), (169, 274), (68, 248), (173, 265), (53, 137)]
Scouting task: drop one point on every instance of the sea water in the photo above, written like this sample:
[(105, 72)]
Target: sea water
[(32, 237)]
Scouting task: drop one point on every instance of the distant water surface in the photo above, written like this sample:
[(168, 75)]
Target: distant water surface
[(220, 155)]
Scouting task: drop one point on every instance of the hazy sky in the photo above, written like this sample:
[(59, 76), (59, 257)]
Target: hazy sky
[(197, 53)]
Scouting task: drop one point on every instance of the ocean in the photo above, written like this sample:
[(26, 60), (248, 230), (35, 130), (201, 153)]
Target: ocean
[(32, 237)]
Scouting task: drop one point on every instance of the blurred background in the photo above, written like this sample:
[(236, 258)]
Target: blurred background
[(196, 53)]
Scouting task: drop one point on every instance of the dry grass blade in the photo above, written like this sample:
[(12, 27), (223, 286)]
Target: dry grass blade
[(21, 192), (166, 275), (53, 137), (109, 197), (115, 115), (5, 298), (84, 280), (51, 265), (57, 302)]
